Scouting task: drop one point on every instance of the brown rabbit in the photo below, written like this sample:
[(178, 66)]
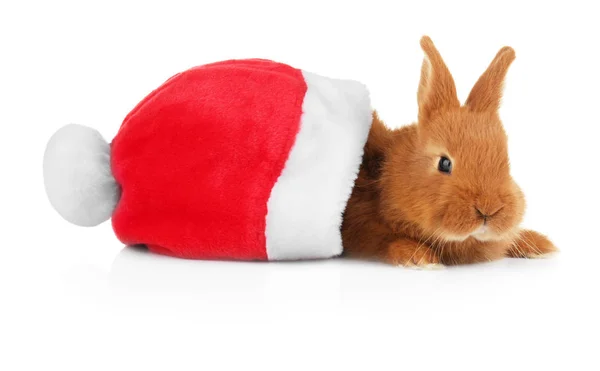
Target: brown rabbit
[(440, 191)]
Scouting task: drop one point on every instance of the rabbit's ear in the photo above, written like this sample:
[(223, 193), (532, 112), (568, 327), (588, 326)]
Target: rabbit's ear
[(437, 91), (487, 92)]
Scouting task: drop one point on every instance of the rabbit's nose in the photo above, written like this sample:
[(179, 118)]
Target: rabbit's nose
[(487, 213)]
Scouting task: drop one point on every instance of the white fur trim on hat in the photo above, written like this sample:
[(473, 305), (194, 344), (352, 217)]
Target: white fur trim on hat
[(307, 202)]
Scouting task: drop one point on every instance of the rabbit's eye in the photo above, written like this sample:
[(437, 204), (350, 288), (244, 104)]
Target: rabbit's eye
[(445, 165)]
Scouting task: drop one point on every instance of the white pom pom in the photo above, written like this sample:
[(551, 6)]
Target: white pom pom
[(77, 176)]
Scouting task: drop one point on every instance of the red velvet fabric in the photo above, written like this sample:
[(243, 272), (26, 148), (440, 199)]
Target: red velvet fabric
[(198, 157)]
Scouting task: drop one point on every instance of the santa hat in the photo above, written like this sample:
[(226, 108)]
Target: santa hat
[(243, 159)]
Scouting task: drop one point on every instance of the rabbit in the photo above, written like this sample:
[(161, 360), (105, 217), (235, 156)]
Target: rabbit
[(439, 192)]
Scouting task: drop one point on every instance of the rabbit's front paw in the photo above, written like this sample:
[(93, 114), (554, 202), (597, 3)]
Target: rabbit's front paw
[(408, 253), (533, 245)]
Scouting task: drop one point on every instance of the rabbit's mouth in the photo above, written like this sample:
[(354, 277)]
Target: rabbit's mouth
[(485, 233), (481, 233)]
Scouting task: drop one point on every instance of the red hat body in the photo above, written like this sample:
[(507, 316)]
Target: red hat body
[(199, 158)]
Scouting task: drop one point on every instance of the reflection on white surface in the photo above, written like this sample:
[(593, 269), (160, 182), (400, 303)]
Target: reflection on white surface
[(138, 276), (223, 285), (158, 313)]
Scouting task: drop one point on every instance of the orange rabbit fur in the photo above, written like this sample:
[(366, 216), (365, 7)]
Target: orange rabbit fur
[(440, 191)]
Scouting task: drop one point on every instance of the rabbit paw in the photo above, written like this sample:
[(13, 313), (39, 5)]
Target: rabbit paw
[(410, 254), (532, 245)]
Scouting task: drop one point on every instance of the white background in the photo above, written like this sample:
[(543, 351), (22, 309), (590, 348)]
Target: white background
[(76, 299)]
